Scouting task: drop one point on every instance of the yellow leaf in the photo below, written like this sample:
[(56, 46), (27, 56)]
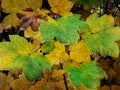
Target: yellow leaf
[(79, 52), (58, 55), (29, 33), (61, 7), (11, 20), (14, 6)]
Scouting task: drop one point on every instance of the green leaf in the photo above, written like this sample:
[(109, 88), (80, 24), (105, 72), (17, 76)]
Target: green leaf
[(20, 54), (97, 23), (89, 75), (102, 35), (93, 3), (48, 46), (65, 29), (74, 1), (34, 66)]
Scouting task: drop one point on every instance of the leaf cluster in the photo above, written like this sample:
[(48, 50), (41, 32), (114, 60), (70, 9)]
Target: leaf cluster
[(67, 41)]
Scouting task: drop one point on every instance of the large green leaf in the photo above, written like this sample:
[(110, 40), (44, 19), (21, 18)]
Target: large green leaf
[(89, 75), (102, 35), (18, 53), (65, 29)]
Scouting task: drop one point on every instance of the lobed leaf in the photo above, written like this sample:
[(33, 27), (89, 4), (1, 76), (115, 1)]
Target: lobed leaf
[(20, 54), (102, 35), (89, 75), (65, 29)]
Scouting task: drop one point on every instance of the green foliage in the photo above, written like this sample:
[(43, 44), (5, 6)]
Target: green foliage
[(20, 54), (102, 35), (65, 29), (92, 3), (89, 74), (48, 46)]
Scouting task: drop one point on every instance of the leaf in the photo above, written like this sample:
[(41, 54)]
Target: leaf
[(92, 3), (79, 52), (33, 67), (58, 55), (102, 36), (65, 29), (89, 75), (48, 46), (14, 6), (28, 33), (61, 7), (21, 54), (99, 23)]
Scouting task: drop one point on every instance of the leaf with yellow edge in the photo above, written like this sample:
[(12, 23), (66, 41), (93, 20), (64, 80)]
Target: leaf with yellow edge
[(103, 35), (79, 53), (97, 23), (18, 53), (58, 54), (61, 7)]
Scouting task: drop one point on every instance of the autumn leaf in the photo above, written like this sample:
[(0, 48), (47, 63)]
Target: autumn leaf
[(58, 55), (79, 52), (65, 29), (102, 35), (89, 75), (21, 54), (61, 7), (14, 6)]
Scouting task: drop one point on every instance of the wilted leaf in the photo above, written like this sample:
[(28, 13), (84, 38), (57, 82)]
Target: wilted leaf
[(89, 75), (61, 7), (65, 29), (20, 54), (79, 52)]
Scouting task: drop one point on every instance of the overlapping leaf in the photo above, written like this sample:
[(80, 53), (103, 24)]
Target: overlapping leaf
[(65, 29), (89, 75), (13, 6), (61, 7), (58, 55), (20, 54), (103, 35), (79, 53)]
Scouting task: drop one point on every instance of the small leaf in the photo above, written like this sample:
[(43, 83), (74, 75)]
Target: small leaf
[(89, 75), (48, 46)]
